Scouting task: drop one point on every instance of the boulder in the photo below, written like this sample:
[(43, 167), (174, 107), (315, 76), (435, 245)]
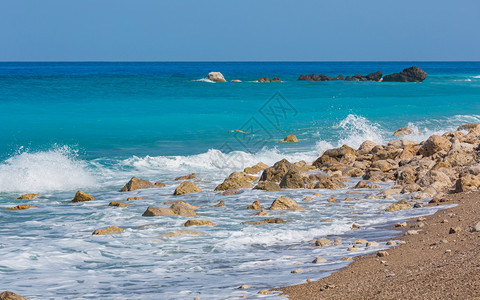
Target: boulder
[(256, 168), (177, 209), (7, 295), (263, 79), (319, 260), (434, 144), (344, 154), (377, 76), (330, 184), (405, 175), (187, 187), (255, 205), (322, 242), (292, 180), (277, 171), (180, 232), (315, 77), (260, 213), (21, 207), (352, 172), (276, 79), (436, 179), (366, 147), (402, 204), (233, 184), (108, 230), (27, 196), (467, 183), (118, 204), (267, 186), (412, 74), (265, 221), (469, 127), (383, 165), (216, 77), (365, 185), (82, 197), (198, 223), (220, 204), (332, 199), (285, 203), (291, 138), (403, 131), (136, 184), (159, 184), (187, 177)]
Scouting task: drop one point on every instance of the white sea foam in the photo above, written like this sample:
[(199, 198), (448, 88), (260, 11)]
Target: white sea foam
[(478, 76), (357, 129), (53, 170), (204, 80)]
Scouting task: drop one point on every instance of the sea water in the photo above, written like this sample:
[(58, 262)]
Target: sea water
[(92, 126)]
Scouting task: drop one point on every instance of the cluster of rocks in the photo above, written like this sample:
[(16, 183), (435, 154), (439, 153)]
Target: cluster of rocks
[(218, 77), (412, 74)]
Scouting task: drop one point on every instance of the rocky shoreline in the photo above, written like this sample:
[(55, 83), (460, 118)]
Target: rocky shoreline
[(431, 169)]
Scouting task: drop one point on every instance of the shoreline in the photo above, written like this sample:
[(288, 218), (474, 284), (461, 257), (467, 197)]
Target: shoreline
[(436, 263)]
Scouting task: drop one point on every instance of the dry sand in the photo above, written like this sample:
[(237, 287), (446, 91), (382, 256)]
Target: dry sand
[(433, 264)]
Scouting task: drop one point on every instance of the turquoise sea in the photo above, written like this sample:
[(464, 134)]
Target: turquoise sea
[(92, 126)]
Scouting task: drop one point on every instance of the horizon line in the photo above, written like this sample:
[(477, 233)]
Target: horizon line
[(225, 61)]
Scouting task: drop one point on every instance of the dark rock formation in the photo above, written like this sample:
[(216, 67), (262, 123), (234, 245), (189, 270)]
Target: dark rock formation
[(412, 74), (374, 76), (315, 77)]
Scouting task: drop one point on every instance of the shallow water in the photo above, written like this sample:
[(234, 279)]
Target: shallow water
[(91, 126)]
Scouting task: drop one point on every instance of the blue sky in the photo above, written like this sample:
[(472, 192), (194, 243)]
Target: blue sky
[(266, 30)]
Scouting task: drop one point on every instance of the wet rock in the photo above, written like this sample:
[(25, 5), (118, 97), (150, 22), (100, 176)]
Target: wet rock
[(236, 180), (198, 223), (285, 203), (27, 196), (21, 207), (319, 260), (7, 295), (434, 144), (322, 242), (374, 76), (189, 206), (108, 230), (332, 199), (355, 227), (371, 244), (291, 138), (136, 184), (292, 180), (366, 147), (276, 172), (330, 184), (352, 249), (232, 192), (402, 204), (220, 204), (159, 184), (296, 271), (177, 209), (187, 187), (216, 77), (391, 243), (135, 198), (180, 233), (403, 131), (265, 221), (365, 185), (344, 154), (402, 224), (118, 204), (346, 258), (255, 205), (265, 292), (360, 241), (256, 168), (412, 74), (82, 197), (244, 287), (187, 177), (260, 213), (267, 186), (307, 199)]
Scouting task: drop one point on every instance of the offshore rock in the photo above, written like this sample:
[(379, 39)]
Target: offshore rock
[(412, 74)]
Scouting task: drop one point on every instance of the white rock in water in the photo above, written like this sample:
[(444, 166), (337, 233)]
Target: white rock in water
[(216, 77)]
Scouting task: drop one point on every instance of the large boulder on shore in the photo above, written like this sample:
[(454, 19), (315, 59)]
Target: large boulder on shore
[(136, 184), (277, 171), (256, 168), (412, 74), (434, 144), (292, 180), (187, 187), (236, 180), (216, 77), (177, 209)]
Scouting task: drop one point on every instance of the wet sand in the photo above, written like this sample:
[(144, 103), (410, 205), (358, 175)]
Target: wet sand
[(433, 264)]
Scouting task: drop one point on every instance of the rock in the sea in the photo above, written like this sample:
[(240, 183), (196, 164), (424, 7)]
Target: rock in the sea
[(255, 205), (136, 184), (118, 204), (403, 131), (236, 180), (180, 232), (7, 295), (187, 177), (332, 199), (256, 168), (177, 209), (21, 207), (135, 198), (198, 223), (82, 197), (291, 138), (434, 144), (265, 221), (220, 204), (187, 187), (319, 260), (412, 74), (260, 213), (322, 242), (27, 196), (315, 77), (267, 186), (216, 77), (159, 184), (292, 180), (402, 204), (277, 171), (266, 79), (285, 203), (108, 230), (374, 76)]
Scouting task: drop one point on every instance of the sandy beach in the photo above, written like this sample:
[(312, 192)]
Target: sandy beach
[(436, 263)]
